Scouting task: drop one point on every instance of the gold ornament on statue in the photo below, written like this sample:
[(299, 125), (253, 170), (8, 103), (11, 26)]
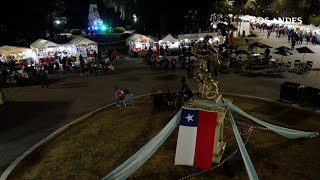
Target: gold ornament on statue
[(209, 68)]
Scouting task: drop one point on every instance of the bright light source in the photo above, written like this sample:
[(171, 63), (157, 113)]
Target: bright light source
[(103, 27), (58, 22), (201, 39), (135, 18), (96, 28)]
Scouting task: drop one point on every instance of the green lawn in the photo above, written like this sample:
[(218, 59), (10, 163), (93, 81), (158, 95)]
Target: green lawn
[(95, 147)]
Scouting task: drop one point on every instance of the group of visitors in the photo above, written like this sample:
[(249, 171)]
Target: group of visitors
[(297, 38), (178, 99), (27, 75), (102, 66)]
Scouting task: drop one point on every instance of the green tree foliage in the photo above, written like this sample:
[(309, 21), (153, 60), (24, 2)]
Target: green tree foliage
[(76, 31), (124, 7), (315, 20), (119, 30)]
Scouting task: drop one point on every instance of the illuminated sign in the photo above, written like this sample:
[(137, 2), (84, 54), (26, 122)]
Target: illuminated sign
[(283, 20)]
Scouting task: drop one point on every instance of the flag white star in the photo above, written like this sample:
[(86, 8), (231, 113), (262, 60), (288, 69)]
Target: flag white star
[(189, 117)]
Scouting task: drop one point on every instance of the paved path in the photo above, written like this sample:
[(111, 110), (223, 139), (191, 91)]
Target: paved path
[(33, 112)]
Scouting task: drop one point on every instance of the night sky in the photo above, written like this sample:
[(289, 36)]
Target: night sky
[(30, 17)]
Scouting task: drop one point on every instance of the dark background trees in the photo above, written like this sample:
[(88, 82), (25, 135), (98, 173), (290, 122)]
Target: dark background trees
[(31, 18)]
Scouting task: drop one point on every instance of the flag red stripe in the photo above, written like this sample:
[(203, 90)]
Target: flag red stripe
[(207, 122)]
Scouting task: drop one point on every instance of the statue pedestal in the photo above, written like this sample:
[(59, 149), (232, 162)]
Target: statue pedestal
[(219, 144)]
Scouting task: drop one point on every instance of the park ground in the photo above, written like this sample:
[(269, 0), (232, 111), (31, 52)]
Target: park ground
[(32, 112)]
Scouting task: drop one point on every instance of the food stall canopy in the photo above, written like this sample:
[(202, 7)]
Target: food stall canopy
[(42, 44), (82, 40), (137, 37), (169, 38), (9, 50)]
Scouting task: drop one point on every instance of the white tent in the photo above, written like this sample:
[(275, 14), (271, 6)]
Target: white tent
[(138, 42), (18, 53), (9, 50), (170, 41), (169, 38), (137, 38), (43, 44), (79, 40)]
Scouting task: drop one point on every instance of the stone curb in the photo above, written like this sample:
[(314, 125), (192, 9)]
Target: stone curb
[(8, 171)]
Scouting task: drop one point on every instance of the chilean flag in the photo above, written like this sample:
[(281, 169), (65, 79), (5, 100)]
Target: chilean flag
[(196, 138)]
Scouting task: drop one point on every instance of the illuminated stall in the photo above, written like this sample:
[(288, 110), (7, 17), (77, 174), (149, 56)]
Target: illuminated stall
[(85, 47), (24, 56), (139, 42), (46, 51), (187, 40), (170, 42)]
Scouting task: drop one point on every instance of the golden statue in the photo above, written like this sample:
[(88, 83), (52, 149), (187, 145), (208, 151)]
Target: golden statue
[(209, 68)]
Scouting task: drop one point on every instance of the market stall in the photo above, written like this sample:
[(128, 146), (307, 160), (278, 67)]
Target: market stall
[(23, 56), (84, 46), (45, 50), (187, 40), (169, 41), (139, 42)]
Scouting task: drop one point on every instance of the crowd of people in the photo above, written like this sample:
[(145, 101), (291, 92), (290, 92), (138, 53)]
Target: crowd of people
[(26, 76), (13, 73)]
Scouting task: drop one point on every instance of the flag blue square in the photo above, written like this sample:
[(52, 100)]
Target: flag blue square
[(189, 117)]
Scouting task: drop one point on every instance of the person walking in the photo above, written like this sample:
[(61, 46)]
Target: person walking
[(289, 37), (173, 64), (269, 32), (313, 39), (301, 38), (43, 78), (267, 52), (307, 38), (82, 64), (166, 64), (243, 34), (293, 43), (57, 67)]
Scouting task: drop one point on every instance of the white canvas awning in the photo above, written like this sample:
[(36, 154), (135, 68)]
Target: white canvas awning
[(79, 40), (169, 38), (9, 50), (137, 37), (42, 44)]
